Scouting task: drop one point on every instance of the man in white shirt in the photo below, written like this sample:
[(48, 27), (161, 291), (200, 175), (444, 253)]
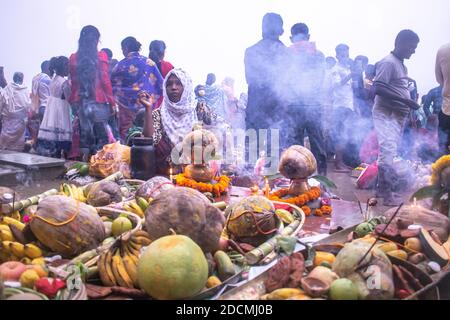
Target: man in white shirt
[(443, 78), (40, 92)]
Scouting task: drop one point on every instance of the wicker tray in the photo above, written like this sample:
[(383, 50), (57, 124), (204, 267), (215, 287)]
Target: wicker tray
[(255, 288)]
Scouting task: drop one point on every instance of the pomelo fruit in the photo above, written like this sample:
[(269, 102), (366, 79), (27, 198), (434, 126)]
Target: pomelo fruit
[(173, 267)]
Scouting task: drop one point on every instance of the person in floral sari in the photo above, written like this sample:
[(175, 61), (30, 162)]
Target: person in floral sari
[(133, 74)]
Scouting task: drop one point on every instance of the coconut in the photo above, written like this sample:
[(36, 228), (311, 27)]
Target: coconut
[(66, 226), (153, 187), (252, 220), (104, 193), (187, 212)]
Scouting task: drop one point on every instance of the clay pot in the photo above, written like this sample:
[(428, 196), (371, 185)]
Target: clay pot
[(315, 288), (298, 187), (199, 173), (297, 162)]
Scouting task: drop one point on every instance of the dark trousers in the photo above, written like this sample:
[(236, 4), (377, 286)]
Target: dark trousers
[(307, 120), (444, 133), (93, 126)]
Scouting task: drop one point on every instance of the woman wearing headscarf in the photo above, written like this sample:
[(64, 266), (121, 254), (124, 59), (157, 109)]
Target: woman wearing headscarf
[(176, 117), (92, 95)]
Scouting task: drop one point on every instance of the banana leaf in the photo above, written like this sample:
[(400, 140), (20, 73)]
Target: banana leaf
[(437, 198), (426, 193), (325, 181)]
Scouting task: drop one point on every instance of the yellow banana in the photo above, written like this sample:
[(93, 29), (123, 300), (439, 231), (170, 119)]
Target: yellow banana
[(26, 261), (6, 246), (135, 251), (66, 190), (285, 293), (144, 241), (137, 209), (141, 233), (105, 276), (6, 235), (4, 227), (16, 215), (38, 261), (10, 221), (131, 269), (127, 252), (285, 216), (108, 265), (119, 271), (32, 251), (17, 249)]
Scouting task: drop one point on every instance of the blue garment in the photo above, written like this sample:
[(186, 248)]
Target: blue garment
[(432, 102), (133, 74)]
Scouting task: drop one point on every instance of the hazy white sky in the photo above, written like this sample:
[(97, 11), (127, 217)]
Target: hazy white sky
[(211, 35)]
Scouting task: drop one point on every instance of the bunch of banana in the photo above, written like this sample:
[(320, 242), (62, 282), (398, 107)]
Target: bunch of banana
[(7, 221), (133, 207), (13, 250), (73, 191), (118, 265), (16, 251)]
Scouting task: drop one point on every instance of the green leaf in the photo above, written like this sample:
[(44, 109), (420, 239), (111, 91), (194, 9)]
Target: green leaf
[(426, 193), (286, 244), (325, 181)]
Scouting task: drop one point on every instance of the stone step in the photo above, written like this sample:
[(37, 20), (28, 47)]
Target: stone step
[(27, 169)]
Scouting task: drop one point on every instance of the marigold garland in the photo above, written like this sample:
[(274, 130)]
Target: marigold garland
[(302, 200), (437, 168), (217, 189)]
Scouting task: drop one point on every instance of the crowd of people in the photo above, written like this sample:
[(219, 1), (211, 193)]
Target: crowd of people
[(350, 110)]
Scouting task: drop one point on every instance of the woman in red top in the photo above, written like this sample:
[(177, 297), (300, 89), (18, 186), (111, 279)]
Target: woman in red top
[(157, 51), (92, 96)]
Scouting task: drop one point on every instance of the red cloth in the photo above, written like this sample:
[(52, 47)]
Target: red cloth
[(103, 88), (166, 67)]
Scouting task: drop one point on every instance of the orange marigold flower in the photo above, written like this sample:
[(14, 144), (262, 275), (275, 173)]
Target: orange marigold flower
[(306, 210)]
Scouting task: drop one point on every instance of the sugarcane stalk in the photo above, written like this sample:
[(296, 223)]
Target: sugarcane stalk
[(220, 205), (114, 178), (258, 254), (9, 208)]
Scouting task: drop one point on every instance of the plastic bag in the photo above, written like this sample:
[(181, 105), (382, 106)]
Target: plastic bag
[(111, 159)]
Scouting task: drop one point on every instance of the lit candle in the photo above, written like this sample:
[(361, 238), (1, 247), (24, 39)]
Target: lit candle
[(267, 188), (415, 202), (171, 174)]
